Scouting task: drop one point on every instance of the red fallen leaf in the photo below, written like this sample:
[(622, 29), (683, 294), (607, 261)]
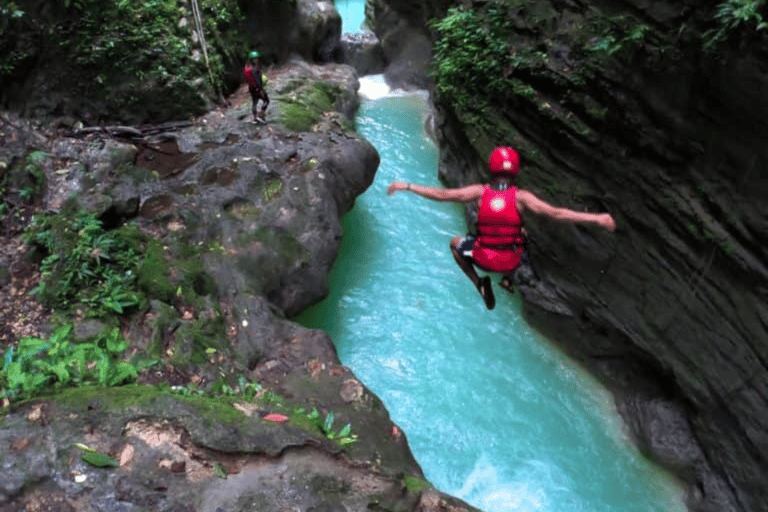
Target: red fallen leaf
[(277, 418), (395, 431)]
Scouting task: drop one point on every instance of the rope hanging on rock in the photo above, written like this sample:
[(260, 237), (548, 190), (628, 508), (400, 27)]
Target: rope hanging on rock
[(201, 35)]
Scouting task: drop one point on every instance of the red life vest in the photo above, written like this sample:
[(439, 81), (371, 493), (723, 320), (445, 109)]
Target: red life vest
[(251, 75), (499, 243)]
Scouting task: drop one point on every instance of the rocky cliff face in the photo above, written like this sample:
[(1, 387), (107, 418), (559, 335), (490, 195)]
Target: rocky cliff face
[(243, 409), (617, 106)]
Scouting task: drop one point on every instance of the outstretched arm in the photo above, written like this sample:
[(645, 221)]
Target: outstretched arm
[(527, 200), (456, 195)]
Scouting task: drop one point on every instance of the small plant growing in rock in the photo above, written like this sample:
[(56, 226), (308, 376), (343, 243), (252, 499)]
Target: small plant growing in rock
[(86, 264), (37, 365), (325, 425)]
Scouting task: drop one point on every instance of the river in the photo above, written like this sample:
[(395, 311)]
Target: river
[(494, 414)]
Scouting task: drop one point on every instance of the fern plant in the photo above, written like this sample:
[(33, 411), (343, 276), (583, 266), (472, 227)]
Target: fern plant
[(731, 15), (37, 365)]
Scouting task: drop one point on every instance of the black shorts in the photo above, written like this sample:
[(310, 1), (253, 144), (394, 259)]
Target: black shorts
[(258, 94)]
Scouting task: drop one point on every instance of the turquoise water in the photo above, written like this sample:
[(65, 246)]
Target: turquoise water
[(493, 413), (352, 14)]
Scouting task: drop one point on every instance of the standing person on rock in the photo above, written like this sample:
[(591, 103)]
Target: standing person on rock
[(500, 242), (255, 79)]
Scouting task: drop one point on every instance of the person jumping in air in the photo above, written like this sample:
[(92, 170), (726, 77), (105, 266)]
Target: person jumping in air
[(500, 242), (254, 77)]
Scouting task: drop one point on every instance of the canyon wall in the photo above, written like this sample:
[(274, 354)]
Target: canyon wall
[(646, 110)]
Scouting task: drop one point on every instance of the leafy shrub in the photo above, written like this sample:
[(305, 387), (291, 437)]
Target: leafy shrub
[(24, 180), (617, 35), (85, 264), (37, 365), (471, 53), (121, 50), (731, 15)]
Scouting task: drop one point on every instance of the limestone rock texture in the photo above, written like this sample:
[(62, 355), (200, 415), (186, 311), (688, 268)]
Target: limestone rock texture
[(626, 107), (308, 28), (246, 218), (404, 38)]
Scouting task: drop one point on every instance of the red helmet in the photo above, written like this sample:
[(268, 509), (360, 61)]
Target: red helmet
[(504, 161)]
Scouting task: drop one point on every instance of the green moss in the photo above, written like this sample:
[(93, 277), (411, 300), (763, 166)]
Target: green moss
[(523, 90), (195, 280), (291, 86), (219, 411), (25, 180), (192, 340), (329, 486), (273, 188), (166, 319), (153, 274), (120, 398), (303, 107), (116, 402), (136, 175), (597, 112), (244, 210), (415, 485)]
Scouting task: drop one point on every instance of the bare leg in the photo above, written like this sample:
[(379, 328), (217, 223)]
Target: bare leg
[(483, 285), (464, 264)]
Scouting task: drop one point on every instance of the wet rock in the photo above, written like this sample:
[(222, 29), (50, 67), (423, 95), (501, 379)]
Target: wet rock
[(320, 23), (401, 27), (363, 52), (351, 391), (279, 30)]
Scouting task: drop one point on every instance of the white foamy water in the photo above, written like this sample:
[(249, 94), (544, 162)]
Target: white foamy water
[(373, 87)]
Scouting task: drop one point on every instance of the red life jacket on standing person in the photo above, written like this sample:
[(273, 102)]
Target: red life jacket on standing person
[(499, 243), (252, 76)]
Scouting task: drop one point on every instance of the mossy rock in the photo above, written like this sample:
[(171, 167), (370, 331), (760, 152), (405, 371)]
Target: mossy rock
[(305, 103)]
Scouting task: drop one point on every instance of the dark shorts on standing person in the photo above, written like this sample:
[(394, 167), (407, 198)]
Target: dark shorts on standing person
[(256, 95), (523, 274)]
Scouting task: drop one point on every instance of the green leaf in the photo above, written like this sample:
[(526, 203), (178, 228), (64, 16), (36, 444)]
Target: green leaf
[(125, 372), (328, 424), (8, 358), (114, 306), (61, 334), (99, 459), (15, 375), (34, 381), (346, 430), (31, 346), (102, 369), (61, 373), (115, 341)]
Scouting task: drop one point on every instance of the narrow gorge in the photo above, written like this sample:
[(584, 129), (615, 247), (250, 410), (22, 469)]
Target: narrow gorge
[(654, 111)]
